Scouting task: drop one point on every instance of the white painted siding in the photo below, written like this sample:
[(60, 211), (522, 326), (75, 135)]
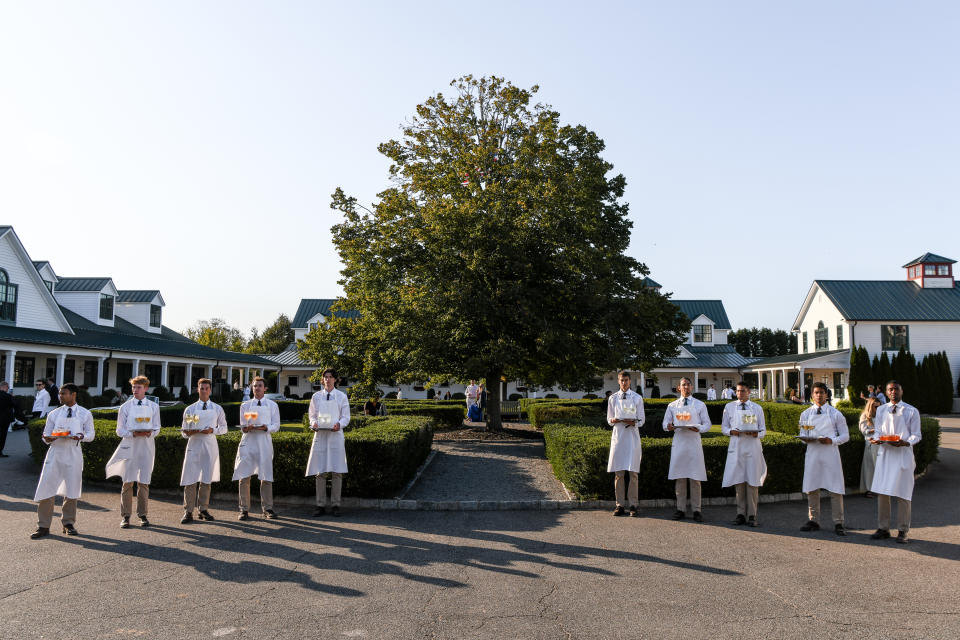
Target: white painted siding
[(136, 312), (83, 303), (821, 309), (924, 338), (33, 311)]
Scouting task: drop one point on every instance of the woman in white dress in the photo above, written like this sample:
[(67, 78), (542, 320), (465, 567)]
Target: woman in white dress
[(869, 450)]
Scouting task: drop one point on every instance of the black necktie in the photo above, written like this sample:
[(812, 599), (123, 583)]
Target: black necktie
[(743, 406), (685, 400), (623, 396), (328, 396), (69, 412), (204, 406), (819, 411), (139, 403), (893, 409), (258, 404)]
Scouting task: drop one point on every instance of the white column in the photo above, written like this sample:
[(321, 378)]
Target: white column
[(643, 385), (783, 381), (8, 374), (61, 364), (99, 385), (209, 369), (696, 381), (243, 376), (230, 376), (136, 367), (188, 380), (163, 374), (800, 384)]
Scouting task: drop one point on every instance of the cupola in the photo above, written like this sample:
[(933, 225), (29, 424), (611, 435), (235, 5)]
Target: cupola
[(931, 271)]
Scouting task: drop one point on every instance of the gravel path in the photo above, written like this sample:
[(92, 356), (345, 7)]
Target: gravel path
[(506, 470)]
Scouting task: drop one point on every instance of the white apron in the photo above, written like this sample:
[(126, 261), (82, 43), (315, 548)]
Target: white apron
[(686, 452), (62, 473), (893, 475), (822, 468), (328, 451), (745, 461), (254, 456), (133, 459), (201, 462)]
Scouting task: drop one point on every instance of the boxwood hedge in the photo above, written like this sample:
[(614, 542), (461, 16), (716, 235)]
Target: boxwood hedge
[(578, 452), (382, 455)]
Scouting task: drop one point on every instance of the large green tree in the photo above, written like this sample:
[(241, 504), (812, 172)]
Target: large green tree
[(274, 338), (218, 334), (497, 252), (762, 343)]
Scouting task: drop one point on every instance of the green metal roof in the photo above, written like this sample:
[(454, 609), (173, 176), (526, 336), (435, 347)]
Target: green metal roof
[(81, 284), (929, 257), (894, 300), (651, 283), (309, 307), (791, 358), (136, 295), (713, 309), (288, 357), (721, 356), (124, 336)]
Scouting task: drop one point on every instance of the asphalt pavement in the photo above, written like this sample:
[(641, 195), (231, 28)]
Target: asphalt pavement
[(495, 574)]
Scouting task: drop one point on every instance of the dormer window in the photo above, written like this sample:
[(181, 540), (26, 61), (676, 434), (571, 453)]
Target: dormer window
[(702, 333), (106, 307), (8, 299), (943, 269), (929, 269), (155, 315)]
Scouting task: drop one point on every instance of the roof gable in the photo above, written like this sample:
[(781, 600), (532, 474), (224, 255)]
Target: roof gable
[(712, 309), (898, 300), (30, 270), (929, 257), (76, 285), (310, 307), (139, 296)]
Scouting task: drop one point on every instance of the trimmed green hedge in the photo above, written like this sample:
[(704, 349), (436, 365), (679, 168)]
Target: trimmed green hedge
[(382, 455), (444, 417), (578, 453)]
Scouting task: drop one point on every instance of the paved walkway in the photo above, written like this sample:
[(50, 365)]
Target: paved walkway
[(493, 470)]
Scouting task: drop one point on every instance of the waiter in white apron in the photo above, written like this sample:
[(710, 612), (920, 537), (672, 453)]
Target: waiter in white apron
[(259, 417), (625, 415), (745, 468), (329, 414), (203, 421), (138, 423), (62, 475), (897, 432), (687, 418), (823, 429)]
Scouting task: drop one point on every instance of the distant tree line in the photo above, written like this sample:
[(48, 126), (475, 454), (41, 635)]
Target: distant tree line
[(218, 334), (762, 343)]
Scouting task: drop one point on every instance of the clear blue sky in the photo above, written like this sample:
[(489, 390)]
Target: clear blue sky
[(192, 147)]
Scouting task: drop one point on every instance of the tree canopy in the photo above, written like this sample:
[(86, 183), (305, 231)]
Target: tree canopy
[(498, 252), (218, 334), (762, 343), (274, 339)]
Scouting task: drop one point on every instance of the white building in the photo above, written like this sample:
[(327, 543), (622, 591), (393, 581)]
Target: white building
[(920, 313), (89, 332)]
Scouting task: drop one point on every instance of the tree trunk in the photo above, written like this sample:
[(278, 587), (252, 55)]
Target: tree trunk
[(494, 421)]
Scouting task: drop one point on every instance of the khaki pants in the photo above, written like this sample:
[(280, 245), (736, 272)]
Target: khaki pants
[(336, 484), (196, 495), (747, 498), (680, 489), (632, 491), (266, 494), (883, 513), (126, 499), (836, 506), (45, 512)]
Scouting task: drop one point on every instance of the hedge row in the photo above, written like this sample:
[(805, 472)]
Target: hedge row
[(779, 416), (444, 417), (382, 454), (578, 453)]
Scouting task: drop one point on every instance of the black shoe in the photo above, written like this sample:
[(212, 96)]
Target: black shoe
[(902, 537), (187, 518), (740, 519), (839, 530), (869, 494), (319, 511), (810, 526), (144, 522), (880, 534), (40, 532), (3, 455), (752, 522), (634, 512), (205, 515), (697, 516), (243, 516), (619, 511), (125, 522), (335, 511), (69, 530), (269, 514), (679, 515)]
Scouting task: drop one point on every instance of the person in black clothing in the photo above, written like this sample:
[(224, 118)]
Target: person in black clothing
[(373, 407), (9, 410), (54, 392)]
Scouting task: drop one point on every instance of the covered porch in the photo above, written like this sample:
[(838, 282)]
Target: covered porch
[(799, 372)]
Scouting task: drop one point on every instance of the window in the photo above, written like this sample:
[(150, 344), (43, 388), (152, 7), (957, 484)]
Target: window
[(51, 369), (943, 269), (820, 336), (23, 372), (702, 333), (293, 381), (69, 370), (701, 383), (124, 373), (89, 373), (838, 385), (839, 336), (155, 314), (8, 299), (804, 341), (177, 376), (106, 307), (929, 269), (894, 336), (154, 372)]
